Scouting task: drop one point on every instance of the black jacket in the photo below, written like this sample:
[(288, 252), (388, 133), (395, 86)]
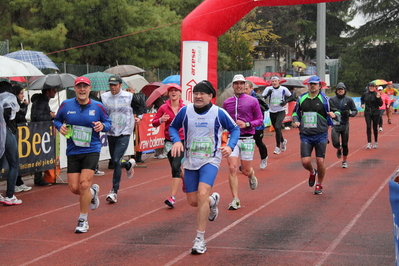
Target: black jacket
[(371, 102), (40, 108)]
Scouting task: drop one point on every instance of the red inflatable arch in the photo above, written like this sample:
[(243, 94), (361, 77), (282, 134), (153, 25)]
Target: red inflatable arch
[(212, 18)]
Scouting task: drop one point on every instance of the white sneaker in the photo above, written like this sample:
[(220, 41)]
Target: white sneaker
[(199, 246), (112, 197), (284, 145), (253, 182), (21, 188), (368, 146), (235, 204), (162, 156), (83, 226), (99, 173), (214, 209), (263, 163), (287, 128), (12, 201), (95, 202), (380, 128), (130, 171), (277, 150), (1, 198), (344, 165), (376, 145)]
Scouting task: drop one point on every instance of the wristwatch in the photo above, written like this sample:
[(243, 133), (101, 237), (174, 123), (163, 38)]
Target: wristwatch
[(247, 124)]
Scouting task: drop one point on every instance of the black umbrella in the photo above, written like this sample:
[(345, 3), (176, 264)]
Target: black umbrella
[(63, 80), (293, 83)]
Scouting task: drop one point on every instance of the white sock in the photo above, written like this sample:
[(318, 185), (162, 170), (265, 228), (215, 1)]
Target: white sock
[(83, 216), (200, 235)]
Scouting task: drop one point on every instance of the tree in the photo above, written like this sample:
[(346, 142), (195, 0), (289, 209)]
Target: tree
[(152, 31)]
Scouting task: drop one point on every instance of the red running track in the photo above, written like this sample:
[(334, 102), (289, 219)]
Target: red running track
[(280, 223)]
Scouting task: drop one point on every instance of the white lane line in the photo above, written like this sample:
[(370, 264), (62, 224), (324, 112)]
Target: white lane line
[(74, 204), (181, 256), (350, 225)]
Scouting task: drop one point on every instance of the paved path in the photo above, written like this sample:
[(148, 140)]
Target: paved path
[(280, 223)]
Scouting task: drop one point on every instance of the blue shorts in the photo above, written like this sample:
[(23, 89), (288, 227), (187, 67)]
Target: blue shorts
[(206, 174), (318, 142)]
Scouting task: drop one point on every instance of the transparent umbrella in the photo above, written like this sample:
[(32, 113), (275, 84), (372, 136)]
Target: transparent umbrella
[(10, 67)]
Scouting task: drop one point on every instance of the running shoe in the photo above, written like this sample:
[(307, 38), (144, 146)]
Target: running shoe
[(339, 153), (277, 150), (162, 156), (1, 198), (82, 227), (287, 128), (12, 201), (130, 170), (376, 145), (112, 197), (368, 146), (99, 173), (284, 145), (253, 182), (199, 246), (380, 129), (263, 163), (170, 201), (389, 121), (312, 178), (22, 188), (95, 202), (318, 189), (235, 204), (214, 211), (344, 165)]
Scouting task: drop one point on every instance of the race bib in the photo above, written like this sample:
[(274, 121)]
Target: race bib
[(309, 120), (247, 146), (275, 101), (167, 146), (82, 136), (201, 148)]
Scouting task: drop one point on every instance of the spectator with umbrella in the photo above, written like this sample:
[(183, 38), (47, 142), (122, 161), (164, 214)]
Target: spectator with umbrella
[(41, 112), (8, 141)]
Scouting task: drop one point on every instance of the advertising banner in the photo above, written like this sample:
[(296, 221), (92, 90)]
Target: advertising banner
[(150, 137), (194, 67), (36, 148)]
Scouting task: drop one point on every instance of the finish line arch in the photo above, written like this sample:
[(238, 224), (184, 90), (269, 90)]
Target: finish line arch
[(201, 29)]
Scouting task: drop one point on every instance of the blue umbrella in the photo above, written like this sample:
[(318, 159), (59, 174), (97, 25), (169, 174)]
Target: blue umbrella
[(172, 79), (38, 59)]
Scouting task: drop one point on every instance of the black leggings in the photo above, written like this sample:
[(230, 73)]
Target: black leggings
[(259, 143), (372, 121), (335, 139), (277, 121)]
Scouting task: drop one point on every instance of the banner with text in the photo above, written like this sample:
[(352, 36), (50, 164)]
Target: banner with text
[(150, 137), (36, 148)]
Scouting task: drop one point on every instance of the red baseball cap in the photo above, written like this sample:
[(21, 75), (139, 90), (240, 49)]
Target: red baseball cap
[(84, 80)]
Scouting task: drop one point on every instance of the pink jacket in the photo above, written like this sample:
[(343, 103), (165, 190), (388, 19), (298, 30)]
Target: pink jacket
[(386, 101), (167, 109)]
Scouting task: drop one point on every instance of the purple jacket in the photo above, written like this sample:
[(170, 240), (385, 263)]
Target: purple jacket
[(245, 108)]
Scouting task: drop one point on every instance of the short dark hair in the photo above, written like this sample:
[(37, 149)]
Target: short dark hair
[(5, 86)]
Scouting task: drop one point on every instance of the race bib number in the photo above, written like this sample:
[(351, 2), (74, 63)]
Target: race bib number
[(167, 146), (275, 101), (247, 146), (81, 136), (201, 147), (309, 120)]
